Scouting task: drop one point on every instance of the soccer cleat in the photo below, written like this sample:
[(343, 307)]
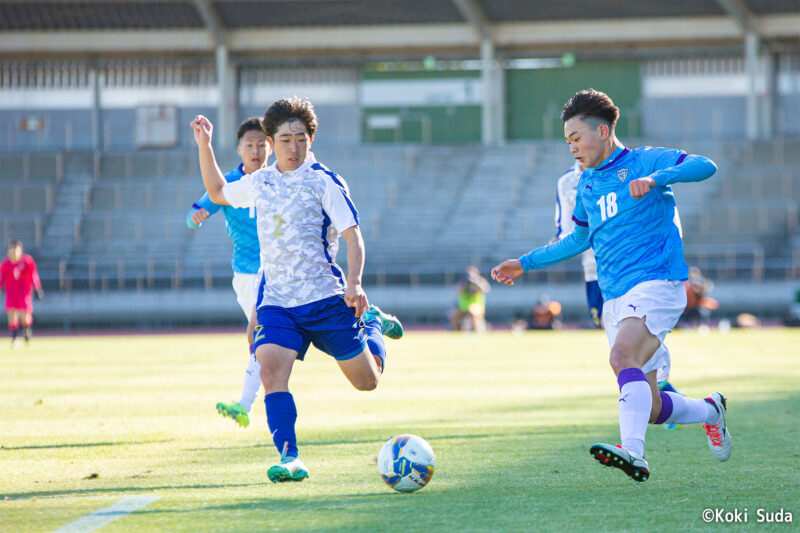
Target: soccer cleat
[(234, 411), (289, 469), (390, 324), (719, 438), (629, 462), (672, 426)]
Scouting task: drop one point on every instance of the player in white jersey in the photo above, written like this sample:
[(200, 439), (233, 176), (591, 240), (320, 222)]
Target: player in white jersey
[(302, 208), (566, 192)]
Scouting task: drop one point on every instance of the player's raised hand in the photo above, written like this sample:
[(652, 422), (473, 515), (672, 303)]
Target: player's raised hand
[(641, 186), (356, 298), (507, 271), (199, 216), (202, 130)]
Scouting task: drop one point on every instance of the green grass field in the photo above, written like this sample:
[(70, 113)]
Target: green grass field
[(87, 421)]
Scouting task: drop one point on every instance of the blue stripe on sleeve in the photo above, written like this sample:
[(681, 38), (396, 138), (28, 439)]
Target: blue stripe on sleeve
[(326, 222), (335, 178), (558, 218)]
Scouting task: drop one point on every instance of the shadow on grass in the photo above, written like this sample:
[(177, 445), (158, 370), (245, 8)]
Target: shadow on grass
[(83, 445), (123, 490), (338, 442)]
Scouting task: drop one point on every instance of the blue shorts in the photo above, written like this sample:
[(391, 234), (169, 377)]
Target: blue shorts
[(595, 300), (329, 324)]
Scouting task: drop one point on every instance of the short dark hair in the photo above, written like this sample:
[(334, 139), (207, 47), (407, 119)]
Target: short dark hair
[(13, 243), (251, 124), (287, 110), (591, 105)]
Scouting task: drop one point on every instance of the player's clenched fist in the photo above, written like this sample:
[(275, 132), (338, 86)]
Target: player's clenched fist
[(202, 130), (641, 186), (507, 271), (356, 298)]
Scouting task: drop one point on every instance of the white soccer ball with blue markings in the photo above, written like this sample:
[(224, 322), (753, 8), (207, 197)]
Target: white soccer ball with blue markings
[(406, 463)]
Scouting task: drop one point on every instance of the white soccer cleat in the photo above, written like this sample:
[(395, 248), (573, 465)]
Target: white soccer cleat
[(719, 438), (626, 460), (290, 469)]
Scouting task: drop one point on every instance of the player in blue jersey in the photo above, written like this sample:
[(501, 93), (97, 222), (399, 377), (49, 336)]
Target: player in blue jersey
[(566, 195), (625, 213), (302, 209), (241, 226)]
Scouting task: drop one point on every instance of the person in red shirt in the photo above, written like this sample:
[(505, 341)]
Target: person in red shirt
[(18, 277)]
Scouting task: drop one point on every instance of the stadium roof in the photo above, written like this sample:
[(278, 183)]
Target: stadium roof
[(387, 27)]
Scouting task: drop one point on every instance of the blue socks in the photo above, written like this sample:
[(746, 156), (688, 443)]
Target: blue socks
[(375, 343), (281, 416)]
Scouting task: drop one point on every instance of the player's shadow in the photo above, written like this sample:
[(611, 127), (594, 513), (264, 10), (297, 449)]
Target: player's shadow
[(338, 442), (77, 493), (83, 445)]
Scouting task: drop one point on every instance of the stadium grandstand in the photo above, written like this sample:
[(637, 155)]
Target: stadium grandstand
[(442, 115)]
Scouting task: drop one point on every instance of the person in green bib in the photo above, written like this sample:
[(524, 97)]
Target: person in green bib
[(472, 291)]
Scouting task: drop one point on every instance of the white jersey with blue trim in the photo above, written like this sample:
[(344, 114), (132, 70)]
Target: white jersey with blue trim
[(300, 215), (566, 193)]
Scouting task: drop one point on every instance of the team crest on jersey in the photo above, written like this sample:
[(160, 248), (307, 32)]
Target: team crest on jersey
[(622, 174)]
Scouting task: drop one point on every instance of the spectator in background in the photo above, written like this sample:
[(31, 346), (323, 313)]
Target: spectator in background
[(19, 278), (472, 290), (546, 314), (698, 304)]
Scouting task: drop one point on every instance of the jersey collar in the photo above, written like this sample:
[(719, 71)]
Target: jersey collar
[(617, 154)]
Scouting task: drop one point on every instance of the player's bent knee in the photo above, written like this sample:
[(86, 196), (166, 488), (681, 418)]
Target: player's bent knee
[(367, 384), (365, 381), (620, 358)]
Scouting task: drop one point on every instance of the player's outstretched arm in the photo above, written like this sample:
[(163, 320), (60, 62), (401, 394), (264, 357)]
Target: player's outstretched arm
[(570, 246), (213, 178), (691, 168), (354, 295)]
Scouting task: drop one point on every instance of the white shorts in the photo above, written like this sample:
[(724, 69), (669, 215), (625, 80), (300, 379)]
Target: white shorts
[(246, 288), (661, 302)]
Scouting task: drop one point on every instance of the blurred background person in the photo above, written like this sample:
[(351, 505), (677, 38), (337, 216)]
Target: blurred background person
[(546, 314), (699, 305), (19, 278), (471, 306)]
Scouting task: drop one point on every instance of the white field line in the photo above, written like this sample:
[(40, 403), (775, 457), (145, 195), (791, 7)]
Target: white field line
[(106, 515)]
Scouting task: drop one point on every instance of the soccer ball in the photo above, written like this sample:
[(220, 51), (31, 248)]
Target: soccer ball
[(406, 463)]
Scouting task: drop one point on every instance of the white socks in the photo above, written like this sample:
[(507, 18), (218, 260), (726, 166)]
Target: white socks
[(690, 411), (251, 384), (635, 403)]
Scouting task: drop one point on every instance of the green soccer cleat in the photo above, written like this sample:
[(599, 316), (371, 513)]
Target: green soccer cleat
[(234, 411), (289, 469), (390, 324)]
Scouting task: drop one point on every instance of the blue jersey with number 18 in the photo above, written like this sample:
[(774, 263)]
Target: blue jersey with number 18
[(634, 240)]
